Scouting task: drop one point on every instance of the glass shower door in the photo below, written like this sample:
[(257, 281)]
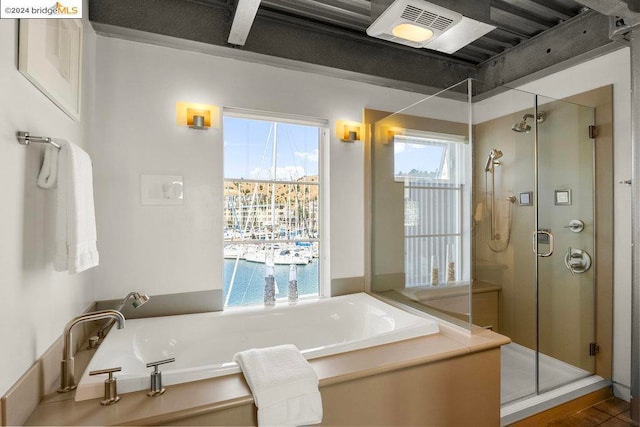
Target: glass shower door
[(564, 243)]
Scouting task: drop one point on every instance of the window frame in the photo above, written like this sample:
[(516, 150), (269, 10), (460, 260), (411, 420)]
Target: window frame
[(321, 183), (425, 184)]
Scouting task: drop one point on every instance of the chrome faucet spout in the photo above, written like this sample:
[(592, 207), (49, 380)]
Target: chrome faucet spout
[(138, 300), (67, 377)]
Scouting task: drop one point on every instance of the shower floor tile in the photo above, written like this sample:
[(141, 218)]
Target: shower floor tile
[(518, 371)]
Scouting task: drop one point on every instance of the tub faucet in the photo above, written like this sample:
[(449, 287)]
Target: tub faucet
[(67, 377), (138, 300)]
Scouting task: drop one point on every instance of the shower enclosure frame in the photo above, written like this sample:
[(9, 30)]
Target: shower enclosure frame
[(599, 183)]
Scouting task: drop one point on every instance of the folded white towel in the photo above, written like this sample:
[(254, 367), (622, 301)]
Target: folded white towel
[(284, 386), (76, 248), (49, 170)]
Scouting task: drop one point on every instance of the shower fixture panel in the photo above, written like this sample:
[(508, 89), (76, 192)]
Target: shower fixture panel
[(523, 127)]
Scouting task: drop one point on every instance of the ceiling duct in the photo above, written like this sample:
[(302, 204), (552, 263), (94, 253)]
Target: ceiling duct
[(422, 24)]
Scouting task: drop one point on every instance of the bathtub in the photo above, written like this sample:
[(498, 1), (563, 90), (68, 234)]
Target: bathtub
[(204, 344)]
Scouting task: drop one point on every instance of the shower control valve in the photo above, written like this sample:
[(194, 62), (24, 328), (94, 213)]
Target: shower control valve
[(575, 225), (156, 377), (577, 260)]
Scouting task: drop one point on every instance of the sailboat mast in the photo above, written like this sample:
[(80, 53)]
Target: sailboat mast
[(273, 186)]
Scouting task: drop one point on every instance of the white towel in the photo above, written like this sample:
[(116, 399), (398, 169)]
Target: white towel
[(284, 386), (76, 248), (49, 170)]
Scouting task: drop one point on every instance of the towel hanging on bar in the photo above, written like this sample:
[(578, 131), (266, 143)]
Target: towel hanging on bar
[(49, 171), (25, 138)]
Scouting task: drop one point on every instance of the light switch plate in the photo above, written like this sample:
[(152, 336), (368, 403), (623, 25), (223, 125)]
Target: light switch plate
[(161, 190)]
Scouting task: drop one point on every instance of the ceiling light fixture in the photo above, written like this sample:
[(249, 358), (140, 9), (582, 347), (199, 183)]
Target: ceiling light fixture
[(412, 32), (420, 24)]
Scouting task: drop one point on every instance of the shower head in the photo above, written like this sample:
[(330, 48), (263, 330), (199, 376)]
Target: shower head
[(492, 160), (523, 127), (139, 299)]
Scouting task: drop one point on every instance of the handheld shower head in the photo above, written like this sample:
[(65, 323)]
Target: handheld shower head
[(139, 299), (492, 160)]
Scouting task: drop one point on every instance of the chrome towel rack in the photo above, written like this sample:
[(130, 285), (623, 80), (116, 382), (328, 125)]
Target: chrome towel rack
[(25, 138)]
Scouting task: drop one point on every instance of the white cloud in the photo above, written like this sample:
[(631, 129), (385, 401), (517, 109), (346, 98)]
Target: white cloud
[(288, 173), (312, 156), (407, 146)]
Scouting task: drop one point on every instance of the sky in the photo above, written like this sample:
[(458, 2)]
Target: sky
[(422, 157), (248, 149)]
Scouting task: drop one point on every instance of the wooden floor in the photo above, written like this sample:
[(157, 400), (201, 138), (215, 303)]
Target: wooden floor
[(612, 412)]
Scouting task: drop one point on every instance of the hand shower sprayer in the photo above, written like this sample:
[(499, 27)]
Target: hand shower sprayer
[(492, 160), (494, 235)]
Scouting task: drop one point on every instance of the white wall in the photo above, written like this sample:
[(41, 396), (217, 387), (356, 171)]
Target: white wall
[(178, 249), (35, 301), (613, 68)]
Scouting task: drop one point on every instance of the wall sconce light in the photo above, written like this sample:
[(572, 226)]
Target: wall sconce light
[(197, 116), (391, 132), (349, 131)]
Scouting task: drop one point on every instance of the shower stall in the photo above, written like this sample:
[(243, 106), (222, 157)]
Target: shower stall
[(523, 230)]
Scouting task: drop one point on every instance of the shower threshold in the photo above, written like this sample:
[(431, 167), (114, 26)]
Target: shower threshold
[(518, 383)]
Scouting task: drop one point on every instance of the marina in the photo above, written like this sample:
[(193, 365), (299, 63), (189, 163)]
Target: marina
[(248, 281)]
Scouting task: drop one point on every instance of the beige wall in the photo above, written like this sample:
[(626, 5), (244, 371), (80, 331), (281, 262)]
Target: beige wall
[(463, 391)]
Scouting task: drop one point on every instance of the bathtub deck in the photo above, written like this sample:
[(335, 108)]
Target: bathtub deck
[(230, 393)]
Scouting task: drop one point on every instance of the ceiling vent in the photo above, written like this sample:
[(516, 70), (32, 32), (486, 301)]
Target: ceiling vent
[(419, 24), (427, 19)]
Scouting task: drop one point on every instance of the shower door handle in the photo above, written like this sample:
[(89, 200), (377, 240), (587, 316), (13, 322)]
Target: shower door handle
[(535, 243)]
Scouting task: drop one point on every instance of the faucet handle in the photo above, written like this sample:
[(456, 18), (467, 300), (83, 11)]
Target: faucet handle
[(110, 385), (156, 377)]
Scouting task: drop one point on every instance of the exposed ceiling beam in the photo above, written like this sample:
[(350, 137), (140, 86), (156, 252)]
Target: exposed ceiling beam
[(582, 38), (618, 8), (291, 39), (291, 42), (242, 21)]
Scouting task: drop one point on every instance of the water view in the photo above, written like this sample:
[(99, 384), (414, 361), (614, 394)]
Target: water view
[(271, 207), (248, 283)]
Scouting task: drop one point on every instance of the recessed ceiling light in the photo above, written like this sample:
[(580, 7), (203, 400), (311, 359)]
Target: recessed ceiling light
[(412, 32)]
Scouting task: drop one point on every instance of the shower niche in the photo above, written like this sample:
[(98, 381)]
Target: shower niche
[(483, 212)]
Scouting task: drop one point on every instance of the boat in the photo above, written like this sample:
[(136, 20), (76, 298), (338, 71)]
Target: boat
[(234, 252)]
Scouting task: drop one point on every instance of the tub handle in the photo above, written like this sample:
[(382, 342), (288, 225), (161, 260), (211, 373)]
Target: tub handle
[(110, 385), (156, 388)]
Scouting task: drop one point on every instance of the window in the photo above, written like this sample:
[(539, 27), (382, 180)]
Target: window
[(271, 205), (433, 169)]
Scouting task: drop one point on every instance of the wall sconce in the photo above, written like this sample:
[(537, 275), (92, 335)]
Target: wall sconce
[(197, 116), (390, 134), (349, 131)]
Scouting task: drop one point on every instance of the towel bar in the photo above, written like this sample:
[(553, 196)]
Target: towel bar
[(25, 139)]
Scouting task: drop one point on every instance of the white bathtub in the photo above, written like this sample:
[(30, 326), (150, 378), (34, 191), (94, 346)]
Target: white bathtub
[(204, 344)]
